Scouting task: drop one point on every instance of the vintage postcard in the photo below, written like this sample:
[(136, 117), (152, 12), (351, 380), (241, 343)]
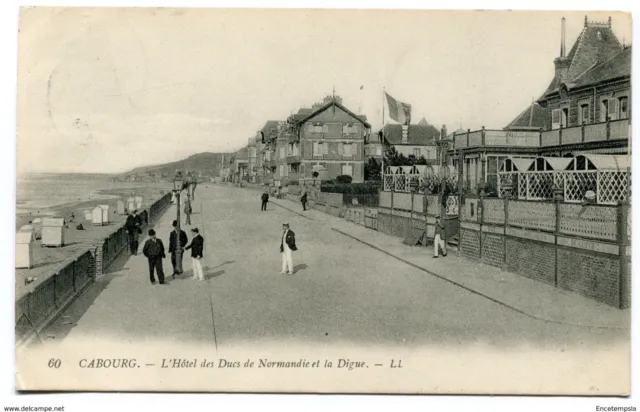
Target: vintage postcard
[(323, 201)]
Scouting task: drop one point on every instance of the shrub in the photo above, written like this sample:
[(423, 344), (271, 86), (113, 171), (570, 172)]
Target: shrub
[(344, 179), (352, 188)]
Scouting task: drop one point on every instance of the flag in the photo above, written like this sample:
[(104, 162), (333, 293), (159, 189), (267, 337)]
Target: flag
[(398, 111)]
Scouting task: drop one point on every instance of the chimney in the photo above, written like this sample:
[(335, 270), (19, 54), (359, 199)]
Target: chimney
[(405, 133), (562, 41), (562, 63)]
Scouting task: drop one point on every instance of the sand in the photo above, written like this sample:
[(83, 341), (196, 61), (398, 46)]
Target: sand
[(48, 259)]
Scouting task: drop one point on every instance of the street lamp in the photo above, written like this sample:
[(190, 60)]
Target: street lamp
[(178, 182)]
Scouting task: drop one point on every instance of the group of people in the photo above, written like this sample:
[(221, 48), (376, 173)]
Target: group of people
[(133, 225), (178, 242), (265, 199)]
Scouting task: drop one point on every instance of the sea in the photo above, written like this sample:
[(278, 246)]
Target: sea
[(36, 192)]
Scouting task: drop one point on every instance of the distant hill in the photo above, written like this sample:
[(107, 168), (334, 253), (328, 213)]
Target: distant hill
[(207, 163)]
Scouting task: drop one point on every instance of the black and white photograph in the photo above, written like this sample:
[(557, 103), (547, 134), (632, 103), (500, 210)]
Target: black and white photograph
[(323, 201)]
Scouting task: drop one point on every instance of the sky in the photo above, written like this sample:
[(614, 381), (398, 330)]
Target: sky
[(107, 90)]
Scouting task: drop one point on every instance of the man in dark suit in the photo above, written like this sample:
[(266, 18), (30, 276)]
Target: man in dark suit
[(287, 245), (303, 200), (173, 246), (265, 200), (154, 251), (197, 249), (130, 225)]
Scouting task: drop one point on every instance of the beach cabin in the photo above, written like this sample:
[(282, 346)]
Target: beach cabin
[(138, 202), (53, 231), (131, 204), (24, 247), (37, 228), (105, 214), (96, 216), (120, 207)]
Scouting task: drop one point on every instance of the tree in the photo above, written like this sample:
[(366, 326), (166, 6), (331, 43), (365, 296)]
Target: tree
[(372, 170)]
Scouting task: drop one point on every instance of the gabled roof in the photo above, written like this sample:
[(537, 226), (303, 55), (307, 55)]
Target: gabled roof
[(533, 117), (324, 107), (423, 122), (596, 43), (616, 67), (417, 135)]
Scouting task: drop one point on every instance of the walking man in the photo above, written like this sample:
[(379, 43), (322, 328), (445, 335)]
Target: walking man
[(197, 249), (130, 225), (154, 251), (265, 200), (439, 240), (303, 199), (173, 246), (287, 245), (136, 238)]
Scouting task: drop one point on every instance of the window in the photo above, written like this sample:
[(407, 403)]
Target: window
[(416, 152), (624, 107), (379, 151), (347, 169), (565, 117), (282, 155), (584, 114), (555, 119), (318, 128), (282, 170), (347, 149), (325, 148), (604, 110)]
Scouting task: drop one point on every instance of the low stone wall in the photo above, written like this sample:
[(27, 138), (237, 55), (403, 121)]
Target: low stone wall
[(38, 308)]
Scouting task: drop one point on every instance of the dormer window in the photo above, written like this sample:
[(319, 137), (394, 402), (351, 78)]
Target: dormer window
[(599, 35)]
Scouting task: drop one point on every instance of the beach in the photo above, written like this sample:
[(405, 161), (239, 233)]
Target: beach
[(47, 258)]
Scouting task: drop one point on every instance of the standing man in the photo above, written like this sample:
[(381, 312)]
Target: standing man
[(439, 240), (194, 183), (154, 251), (265, 200), (137, 219), (187, 210), (173, 246), (303, 199), (136, 238), (197, 249), (130, 225), (287, 245)]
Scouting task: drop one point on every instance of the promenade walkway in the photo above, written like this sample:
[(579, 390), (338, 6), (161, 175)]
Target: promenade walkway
[(355, 294), (532, 298)]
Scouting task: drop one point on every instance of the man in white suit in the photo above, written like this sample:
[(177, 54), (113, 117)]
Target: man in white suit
[(287, 245)]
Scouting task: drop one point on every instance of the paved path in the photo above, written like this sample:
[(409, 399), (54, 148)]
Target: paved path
[(343, 290), (532, 298), (347, 299)]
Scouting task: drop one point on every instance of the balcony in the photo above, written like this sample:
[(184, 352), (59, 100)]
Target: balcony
[(269, 164), (487, 137), (293, 158), (596, 132)]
